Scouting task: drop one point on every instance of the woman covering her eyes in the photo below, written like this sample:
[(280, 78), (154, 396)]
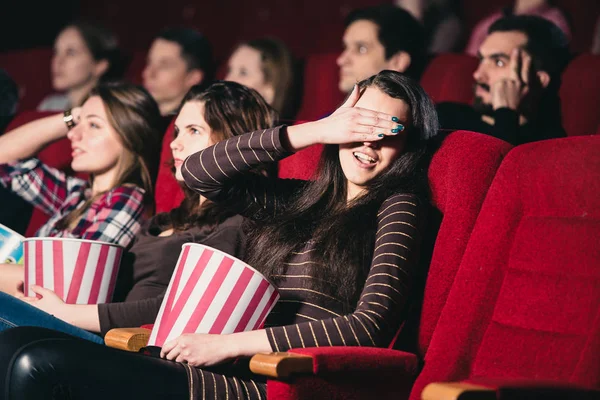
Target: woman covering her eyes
[(342, 250)]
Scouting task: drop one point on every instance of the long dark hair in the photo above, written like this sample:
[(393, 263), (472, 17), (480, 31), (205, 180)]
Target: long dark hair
[(230, 109), (344, 233)]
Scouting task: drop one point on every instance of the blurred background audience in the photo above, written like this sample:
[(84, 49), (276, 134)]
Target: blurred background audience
[(84, 54), (265, 65)]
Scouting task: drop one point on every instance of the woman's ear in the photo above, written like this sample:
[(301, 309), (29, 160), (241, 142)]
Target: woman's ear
[(399, 62), (100, 68), (194, 77), (268, 93), (544, 78)]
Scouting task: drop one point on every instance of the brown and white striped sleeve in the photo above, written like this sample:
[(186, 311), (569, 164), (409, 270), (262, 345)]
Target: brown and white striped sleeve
[(379, 313), (222, 173)]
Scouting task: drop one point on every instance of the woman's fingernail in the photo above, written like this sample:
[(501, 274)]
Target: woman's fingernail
[(400, 127), (381, 135), (395, 119), (394, 130)]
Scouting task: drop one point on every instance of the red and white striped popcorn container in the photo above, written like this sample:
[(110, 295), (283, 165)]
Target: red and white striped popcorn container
[(212, 292), (79, 271)]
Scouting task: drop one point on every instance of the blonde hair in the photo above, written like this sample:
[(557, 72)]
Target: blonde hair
[(278, 69)]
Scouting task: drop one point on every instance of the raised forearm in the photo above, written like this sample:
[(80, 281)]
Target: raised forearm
[(298, 137), (27, 140)]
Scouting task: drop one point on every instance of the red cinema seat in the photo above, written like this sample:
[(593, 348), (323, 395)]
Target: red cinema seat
[(449, 77), (580, 96), (321, 95), (301, 165), (460, 174), (30, 69), (525, 304), (168, 193), (57, 155), (136, 67)]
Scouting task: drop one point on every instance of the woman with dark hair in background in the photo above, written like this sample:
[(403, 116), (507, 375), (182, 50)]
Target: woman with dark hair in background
[(342, 250), (84, 55), (265, 65)]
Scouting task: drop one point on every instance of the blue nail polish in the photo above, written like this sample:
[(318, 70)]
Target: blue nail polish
[(394, 130), (395, 119), (381, 135), (400, 127)]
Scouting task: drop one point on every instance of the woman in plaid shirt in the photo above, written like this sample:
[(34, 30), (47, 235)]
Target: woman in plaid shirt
[(115, 137)]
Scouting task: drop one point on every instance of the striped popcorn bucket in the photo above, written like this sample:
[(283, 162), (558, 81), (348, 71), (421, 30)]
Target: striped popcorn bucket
[(212, 292), (78, 271), (11, 247)]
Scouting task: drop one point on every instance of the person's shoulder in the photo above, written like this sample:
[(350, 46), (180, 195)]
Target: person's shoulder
[(451, 107), (123, 194), (457, 116), (399, 200), (232, 222), (54, 102)]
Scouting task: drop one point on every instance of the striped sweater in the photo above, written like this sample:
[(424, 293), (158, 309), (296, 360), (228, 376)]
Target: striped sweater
[(305, 317)]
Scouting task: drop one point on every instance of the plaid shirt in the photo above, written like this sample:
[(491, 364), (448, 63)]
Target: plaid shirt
[(115, 217)]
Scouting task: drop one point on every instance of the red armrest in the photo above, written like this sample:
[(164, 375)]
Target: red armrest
[(332, 360)]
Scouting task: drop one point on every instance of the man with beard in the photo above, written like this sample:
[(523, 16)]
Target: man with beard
[(516, 83)]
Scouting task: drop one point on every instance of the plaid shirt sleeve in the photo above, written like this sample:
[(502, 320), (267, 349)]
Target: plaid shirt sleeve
[(116, 217), (44, 187)]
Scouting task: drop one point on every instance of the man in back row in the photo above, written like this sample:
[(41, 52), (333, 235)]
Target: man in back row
[(178, 59), (378, 38), (516, 83)]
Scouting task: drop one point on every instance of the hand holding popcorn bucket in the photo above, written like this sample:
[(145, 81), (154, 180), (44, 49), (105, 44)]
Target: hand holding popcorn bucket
[(11, 247), (212, 292), (79, 271)]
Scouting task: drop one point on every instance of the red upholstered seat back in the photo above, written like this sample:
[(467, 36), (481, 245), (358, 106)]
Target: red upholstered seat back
[(321, 95), (30, 69), (460, 174), (136, 67), (57, 155), (449, 77), (525, 302), (580, 96), (168, 193), (301, 165)]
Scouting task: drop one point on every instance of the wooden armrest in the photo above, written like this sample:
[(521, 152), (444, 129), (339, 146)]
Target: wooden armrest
[(128, 339), (499, 389), (281, 365)]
